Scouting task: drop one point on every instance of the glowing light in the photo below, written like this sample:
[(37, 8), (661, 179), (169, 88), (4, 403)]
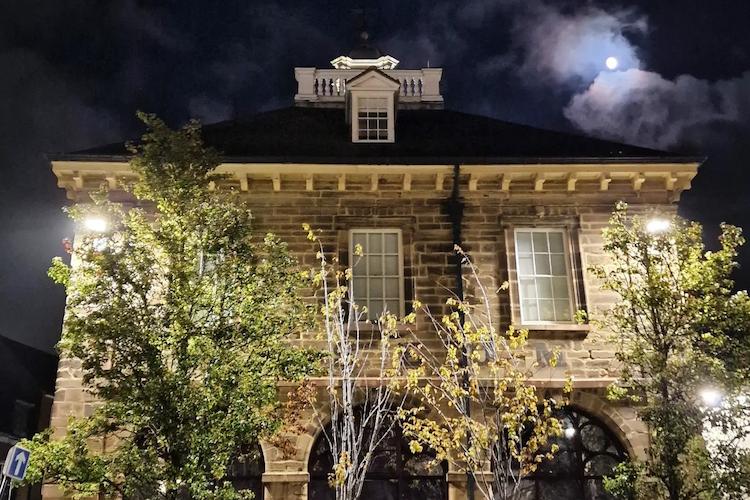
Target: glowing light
[(711, 397), (655, 226), (612, 63), (570, 432), (96, 224)]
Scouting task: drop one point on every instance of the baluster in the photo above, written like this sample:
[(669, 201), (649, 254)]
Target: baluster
[(330, 86), (403, 87), (315, 86), (324, 85), (413, 85), (420, 84)]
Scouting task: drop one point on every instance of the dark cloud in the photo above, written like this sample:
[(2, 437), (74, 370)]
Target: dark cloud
[(208, 110)]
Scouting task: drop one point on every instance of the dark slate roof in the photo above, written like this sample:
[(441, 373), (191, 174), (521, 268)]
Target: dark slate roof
[(321, 135)]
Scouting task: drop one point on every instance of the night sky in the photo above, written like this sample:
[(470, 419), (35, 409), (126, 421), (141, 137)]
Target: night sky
[(73, 73)]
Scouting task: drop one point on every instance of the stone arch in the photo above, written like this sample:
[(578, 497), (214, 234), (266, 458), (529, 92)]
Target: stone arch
[(396, 469), (623, 421), (316, 424), (314, 429)]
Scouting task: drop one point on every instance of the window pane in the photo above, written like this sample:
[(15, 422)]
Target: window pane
[(546, 310), (392, 288), (376, 265), (391, 243), (556, 242), (544, 288), (375, 309), (540, 242), (393, 307), (360, 266), (375, 242), (530, 312), (359, 288), (560, 288), (562, 310), (541, 261), (528, 288), (523, 242), (375, 288), (391, 265), (525, 266), (558, 264), (360, 239)]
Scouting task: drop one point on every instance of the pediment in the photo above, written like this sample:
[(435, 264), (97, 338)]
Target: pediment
[(373, 79)]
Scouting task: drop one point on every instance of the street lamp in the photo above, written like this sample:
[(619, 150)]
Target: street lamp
[(711, 397), (570, 432), (657, 225), (95, 224)]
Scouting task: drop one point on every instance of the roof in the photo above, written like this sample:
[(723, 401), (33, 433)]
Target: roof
[(423, 136)]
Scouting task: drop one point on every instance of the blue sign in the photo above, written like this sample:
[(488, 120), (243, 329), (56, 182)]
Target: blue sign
[(16, 463)]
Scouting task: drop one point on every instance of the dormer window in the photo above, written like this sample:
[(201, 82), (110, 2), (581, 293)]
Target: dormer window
[(371, 106), (372, 119)]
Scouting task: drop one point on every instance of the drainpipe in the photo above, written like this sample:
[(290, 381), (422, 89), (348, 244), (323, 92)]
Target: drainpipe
[(455, 208)]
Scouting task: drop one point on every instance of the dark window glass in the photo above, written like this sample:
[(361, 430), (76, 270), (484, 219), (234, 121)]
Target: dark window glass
[(21, 418), (395, 473), (589, 452), (246, 472)]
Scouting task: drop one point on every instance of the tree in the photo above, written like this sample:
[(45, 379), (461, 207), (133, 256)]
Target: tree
[(479, 408), (180, 316), (361, 360), (681, 332)]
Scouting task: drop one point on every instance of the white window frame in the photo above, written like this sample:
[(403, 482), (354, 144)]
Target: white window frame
[(353, 258), (358, 96), (568, 272)]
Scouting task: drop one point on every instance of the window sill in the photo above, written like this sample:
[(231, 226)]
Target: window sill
[(368, 326), (557, 330)]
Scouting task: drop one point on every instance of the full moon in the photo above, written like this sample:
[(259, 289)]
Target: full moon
[(612, 63)]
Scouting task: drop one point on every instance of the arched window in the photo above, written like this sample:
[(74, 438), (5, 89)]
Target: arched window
[(395, 472), (588, 452), (246, 473)]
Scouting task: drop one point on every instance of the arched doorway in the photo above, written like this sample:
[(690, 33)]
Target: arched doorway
[(246, 473), (395, 472), (589, 450)]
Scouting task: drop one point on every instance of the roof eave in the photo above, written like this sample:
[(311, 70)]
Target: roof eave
[(406, 160)]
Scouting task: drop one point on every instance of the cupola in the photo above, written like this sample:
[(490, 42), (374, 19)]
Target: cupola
[(365, 56)]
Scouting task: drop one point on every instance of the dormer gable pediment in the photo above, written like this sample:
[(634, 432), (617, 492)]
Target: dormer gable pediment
[(373, 79)]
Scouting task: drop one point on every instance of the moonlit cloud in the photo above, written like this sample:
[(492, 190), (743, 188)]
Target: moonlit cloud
[(551, 46), (644, 108)]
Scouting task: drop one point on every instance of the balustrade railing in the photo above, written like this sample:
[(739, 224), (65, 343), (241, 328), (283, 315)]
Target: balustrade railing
[(332, 83)]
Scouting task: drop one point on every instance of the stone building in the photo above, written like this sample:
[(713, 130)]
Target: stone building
[(368, 152)]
